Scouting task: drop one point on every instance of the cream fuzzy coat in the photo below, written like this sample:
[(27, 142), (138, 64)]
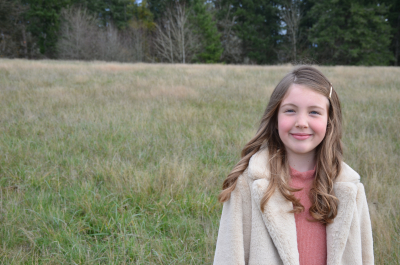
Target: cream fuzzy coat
[(249, 236)]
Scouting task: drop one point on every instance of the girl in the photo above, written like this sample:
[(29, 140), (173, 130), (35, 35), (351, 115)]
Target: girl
[(291, 199)]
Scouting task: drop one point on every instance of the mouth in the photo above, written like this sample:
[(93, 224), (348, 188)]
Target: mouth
[(301, 136)]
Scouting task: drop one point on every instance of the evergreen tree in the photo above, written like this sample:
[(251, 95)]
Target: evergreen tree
[(109, 11), (350, 33), (158, 7), (207, 28), (44, 22), (141, 15), (394, 21), (14, 42), (257, 25)]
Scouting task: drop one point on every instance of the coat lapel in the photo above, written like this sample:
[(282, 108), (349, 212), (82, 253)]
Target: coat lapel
[(281, 224), (337, 232)]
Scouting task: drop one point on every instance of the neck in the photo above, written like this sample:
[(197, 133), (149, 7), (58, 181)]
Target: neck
[(302, 162)]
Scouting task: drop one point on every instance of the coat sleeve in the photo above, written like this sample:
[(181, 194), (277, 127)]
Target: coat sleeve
[(365, 227), (233, 241)]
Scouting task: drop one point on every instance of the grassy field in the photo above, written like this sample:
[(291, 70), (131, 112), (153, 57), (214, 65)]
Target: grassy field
[(122, 163)]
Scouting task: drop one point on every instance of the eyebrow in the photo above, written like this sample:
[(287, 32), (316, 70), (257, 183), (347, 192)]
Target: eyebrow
[(310, 107)]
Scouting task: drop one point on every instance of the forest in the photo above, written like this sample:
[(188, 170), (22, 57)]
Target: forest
[(265, 32)]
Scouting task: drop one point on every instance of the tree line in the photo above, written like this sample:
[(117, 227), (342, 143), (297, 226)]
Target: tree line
[(328, 32)]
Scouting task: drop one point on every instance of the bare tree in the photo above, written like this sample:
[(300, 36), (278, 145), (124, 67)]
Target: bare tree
[(175, 40), (83, 38), (78, 35), (291, 14), (231, 43), (109, 46), (136, 37)]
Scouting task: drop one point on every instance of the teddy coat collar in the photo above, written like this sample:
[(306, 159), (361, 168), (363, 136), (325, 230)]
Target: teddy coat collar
[(280, 222)]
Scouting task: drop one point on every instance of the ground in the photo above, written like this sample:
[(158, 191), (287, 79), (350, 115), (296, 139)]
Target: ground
[(122, 163)]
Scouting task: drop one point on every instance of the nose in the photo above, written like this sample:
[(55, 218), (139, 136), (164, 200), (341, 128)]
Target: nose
[(301, 121)]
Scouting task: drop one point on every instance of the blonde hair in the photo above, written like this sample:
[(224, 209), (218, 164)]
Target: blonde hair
[(328, 153)]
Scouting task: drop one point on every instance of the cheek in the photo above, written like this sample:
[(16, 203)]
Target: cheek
[(320, 128), (285, 124)]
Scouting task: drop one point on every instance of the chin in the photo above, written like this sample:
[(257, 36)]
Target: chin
[(302, 151)]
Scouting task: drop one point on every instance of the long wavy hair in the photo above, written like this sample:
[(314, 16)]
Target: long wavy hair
[(329, 152)]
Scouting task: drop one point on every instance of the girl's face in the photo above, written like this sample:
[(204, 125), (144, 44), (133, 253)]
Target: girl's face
[(302, 119)]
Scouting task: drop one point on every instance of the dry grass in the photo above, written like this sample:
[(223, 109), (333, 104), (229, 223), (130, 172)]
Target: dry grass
[(122, 163)]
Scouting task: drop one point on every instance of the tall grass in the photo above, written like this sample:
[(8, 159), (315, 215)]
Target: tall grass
[(122, 163)]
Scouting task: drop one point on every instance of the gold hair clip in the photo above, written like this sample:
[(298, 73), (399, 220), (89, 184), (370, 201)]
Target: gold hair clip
[(330, 93)]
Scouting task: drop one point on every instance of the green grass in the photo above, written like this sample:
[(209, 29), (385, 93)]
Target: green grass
[(122, 163)]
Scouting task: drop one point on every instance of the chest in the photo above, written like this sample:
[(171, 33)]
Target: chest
[(276, 229)]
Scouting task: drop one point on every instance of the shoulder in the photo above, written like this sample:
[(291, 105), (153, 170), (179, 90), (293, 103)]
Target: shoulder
[(347, 174), (258, 165), (257, 169)]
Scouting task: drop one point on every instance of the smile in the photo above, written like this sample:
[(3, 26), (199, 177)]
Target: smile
[(301, 136)]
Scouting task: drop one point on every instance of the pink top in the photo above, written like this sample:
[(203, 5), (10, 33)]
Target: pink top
[(311, 236)]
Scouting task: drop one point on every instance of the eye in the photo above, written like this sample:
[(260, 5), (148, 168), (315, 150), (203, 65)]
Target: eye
[(289, 111), (315, 112)]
